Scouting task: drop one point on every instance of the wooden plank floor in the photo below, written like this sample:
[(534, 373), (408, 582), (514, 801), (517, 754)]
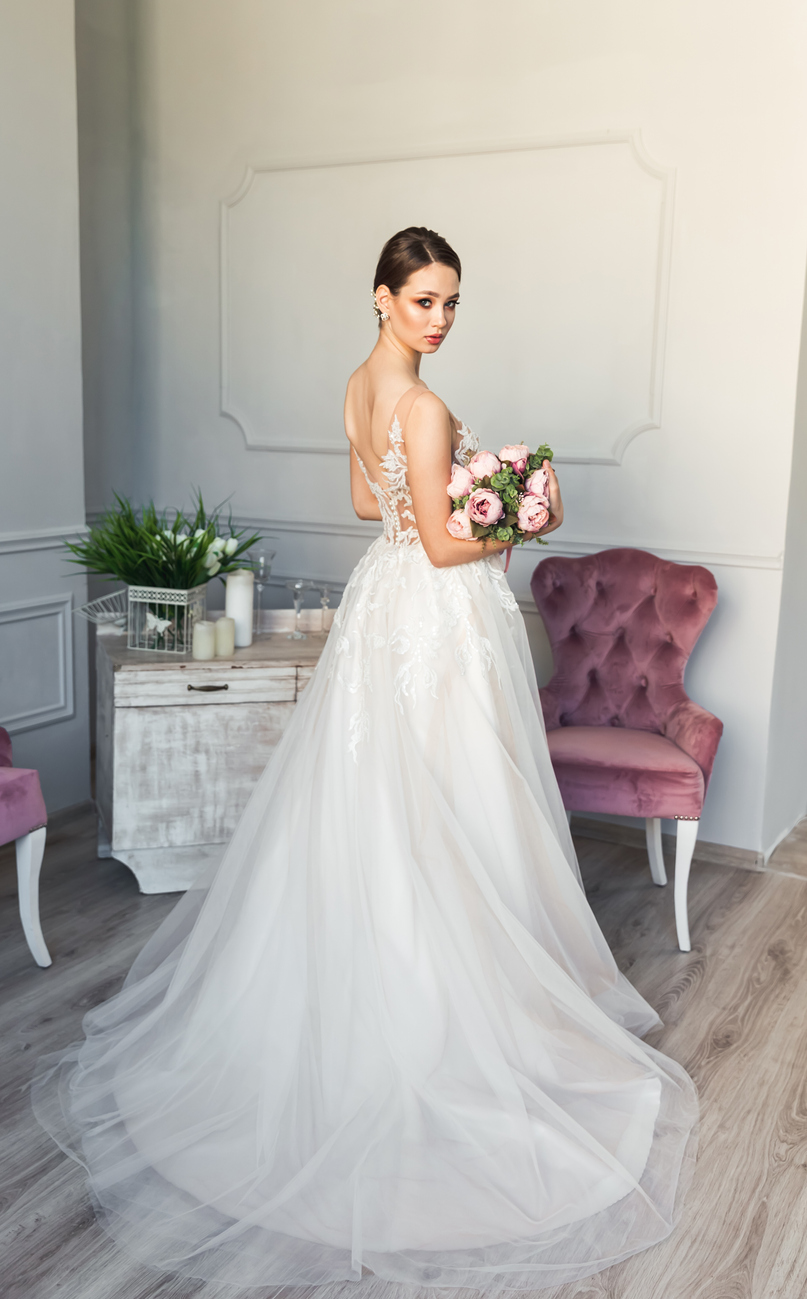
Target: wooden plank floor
[(734, 1011)]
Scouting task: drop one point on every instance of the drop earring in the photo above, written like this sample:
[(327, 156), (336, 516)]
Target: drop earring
[(380, 315)]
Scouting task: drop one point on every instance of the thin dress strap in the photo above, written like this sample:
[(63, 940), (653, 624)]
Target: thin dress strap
[(416, 389), (403, 407)]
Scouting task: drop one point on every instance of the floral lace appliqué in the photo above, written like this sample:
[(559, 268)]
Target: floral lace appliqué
[(394, 498), (441, 608)]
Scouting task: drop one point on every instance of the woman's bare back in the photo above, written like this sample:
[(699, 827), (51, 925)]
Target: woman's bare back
[(373, 393)]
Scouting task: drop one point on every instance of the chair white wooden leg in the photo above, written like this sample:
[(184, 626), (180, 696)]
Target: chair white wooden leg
[(652, 829), (686, 835), (30, 850)]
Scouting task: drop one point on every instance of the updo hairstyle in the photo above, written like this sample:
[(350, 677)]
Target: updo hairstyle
[(408, 251)]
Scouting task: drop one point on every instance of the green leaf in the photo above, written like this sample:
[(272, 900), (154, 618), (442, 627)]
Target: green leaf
[(132, 547)]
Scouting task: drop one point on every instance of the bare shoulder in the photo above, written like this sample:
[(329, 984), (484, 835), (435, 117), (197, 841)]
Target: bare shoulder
[(428, 416), (429, 409), (355, 401), (356, 384)]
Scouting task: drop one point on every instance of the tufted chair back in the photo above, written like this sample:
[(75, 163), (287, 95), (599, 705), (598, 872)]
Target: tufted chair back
[(622, 624)]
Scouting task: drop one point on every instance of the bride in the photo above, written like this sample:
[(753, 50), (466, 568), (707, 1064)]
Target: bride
[(385, 1041)]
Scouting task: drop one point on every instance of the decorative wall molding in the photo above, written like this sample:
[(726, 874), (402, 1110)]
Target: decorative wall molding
[(234, 407), (366, 528), (17, 543), (56, 692), (566, 546), (718, 558)]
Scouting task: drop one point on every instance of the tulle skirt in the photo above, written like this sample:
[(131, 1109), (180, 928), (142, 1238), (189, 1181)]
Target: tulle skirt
[(386, 1034)]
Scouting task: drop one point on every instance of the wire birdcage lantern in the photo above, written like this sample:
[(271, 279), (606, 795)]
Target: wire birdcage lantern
[(107, 612), (162, 619)]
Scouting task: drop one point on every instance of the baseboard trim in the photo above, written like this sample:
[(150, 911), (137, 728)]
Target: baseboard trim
[(63, 817), (719, 854)]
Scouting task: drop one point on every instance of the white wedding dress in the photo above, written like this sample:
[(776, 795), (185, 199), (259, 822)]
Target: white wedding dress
[(386, 1041)]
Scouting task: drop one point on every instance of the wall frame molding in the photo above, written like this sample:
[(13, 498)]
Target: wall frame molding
[(18, 543), (719, 558), (228, 404), (568, 546), (64, 708)]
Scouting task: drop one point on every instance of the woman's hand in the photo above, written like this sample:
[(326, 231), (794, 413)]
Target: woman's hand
[(555, 502)]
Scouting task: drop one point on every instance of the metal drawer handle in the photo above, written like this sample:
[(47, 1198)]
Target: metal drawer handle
[(209, 689)]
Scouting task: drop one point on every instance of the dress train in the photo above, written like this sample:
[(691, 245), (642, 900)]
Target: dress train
[(386, 1033)]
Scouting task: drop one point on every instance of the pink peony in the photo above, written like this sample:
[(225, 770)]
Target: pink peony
[(532, 513), (484, 465), (462, 482), (538, 484), (484, 506), (517, 456), (459, 525)]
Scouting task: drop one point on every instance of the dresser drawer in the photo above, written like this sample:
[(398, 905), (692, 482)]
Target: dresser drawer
[(204, 684)]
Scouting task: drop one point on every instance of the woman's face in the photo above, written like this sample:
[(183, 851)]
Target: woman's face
[(422, 312)]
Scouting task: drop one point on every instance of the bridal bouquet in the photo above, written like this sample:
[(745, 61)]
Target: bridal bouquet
[(504, 496)]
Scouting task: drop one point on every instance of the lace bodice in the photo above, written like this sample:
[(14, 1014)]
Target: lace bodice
[(393, 495)]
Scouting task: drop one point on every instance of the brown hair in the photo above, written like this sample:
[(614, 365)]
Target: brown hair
[(410, 250)]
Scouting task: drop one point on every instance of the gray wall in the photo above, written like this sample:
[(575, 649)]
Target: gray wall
[(201, 91), (43, 648), (786, 777), (109, 175)]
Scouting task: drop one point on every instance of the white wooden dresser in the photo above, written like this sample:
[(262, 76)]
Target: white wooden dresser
[(180, 745)]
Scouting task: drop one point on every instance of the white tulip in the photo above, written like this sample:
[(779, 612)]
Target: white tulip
[(211, 558), (231, 545), (200, 532), (214, 568)]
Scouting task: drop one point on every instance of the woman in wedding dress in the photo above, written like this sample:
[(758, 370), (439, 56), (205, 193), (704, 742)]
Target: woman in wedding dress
[(385, 1041)]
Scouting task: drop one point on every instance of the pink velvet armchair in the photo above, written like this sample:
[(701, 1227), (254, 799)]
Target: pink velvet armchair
[(23, 821), (623, 734)]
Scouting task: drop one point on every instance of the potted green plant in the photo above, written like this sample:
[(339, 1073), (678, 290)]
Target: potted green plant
[(166, 563)]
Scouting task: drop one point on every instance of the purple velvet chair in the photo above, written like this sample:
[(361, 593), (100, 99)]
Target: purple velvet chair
[(23, 819), (623, 734)]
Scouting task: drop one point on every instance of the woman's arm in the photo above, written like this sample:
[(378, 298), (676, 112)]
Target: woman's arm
[(364, 502), (428, 451)]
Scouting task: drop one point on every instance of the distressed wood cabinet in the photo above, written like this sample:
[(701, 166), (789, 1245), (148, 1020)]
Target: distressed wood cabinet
[(180, 745)]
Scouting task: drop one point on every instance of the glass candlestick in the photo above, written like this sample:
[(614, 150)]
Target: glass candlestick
[(324, 600), (298, 588), (261, 562)]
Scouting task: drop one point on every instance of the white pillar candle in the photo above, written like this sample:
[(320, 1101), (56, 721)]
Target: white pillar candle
[(238, 603), (225, 638), (204, 640)]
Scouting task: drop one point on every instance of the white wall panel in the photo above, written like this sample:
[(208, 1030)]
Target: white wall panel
[(43, 700), (582, 227), (36, 663), (414, 113)]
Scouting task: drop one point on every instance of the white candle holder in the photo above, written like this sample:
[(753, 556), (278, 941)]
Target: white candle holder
[(238, 602), (204, 640)]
